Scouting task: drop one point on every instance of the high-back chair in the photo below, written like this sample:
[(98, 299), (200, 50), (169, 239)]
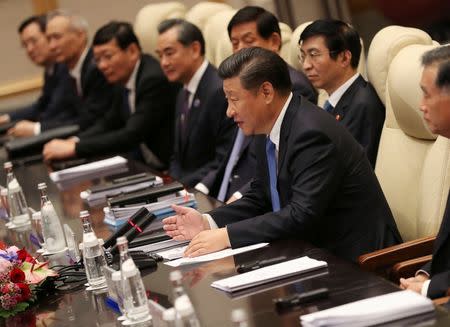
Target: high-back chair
[(215, 29), (148, 19), (202, 11), (413, 167)]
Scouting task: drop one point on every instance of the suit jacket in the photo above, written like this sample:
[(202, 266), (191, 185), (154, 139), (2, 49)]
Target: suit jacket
[(209, 132), (302, 85), (362, 112), (439, 267), (52, 107), (152, 121), (93, 103), (329, 194), (244, 169)]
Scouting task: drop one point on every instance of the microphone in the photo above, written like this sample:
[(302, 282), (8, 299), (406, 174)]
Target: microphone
[(135, 225)]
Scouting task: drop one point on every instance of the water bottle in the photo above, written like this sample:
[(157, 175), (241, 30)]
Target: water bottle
[(4, 208), (93, 255), (135, 301), (239, 318), (18, 207), (169, 317), (51, 226), (185, 313)]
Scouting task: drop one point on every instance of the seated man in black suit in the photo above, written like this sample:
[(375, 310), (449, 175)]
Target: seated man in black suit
[(50, 104), (433, 279), (90, 94), (143, 109), (330, 52), (203, 132), (250, 27), (313, 180)]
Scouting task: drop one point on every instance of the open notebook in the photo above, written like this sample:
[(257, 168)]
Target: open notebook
[(372, 311)]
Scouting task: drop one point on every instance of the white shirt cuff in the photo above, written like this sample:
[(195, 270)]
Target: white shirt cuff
[(37, 128), (422, 272), (212, 223), (424, 290), (237, 195), (202, 188)]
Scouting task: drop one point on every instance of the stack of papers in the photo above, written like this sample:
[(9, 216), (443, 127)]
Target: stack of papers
[(161, 209), (372, 311), (97, 198), (101, 168), (178, 253), (268, 274)]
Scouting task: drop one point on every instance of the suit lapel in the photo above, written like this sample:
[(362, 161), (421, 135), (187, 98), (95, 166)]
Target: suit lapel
[(444, 231), (85, 68), (196, 107), (340, 110)]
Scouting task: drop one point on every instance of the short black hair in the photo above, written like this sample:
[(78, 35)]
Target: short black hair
[(436, 55), (443, 76), (122, 32), (266, 22), (41, 20), (339, 37), (255, 66), (187, 32)]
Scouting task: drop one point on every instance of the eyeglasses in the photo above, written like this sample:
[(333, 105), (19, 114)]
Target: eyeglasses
[(313, 55)]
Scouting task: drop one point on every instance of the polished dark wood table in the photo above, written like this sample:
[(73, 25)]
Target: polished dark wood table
[(345, 281)]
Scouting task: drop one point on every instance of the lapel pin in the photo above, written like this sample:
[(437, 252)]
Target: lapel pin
[(196, 102), (338, 117)]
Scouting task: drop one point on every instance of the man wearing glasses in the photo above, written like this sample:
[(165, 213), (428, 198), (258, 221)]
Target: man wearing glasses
[(329, 53)]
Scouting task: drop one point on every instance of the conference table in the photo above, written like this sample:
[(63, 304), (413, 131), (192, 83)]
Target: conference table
[(345, 281)]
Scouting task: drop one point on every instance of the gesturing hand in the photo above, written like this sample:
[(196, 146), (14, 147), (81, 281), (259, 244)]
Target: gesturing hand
[(185, 224)]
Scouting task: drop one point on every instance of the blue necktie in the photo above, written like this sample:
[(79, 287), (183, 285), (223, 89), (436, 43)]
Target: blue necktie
[(234, 156), (272, 165), (328, 107)]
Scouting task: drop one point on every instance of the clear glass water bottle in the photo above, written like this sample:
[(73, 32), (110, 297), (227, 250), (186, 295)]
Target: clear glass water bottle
[(239, 318), (135, 301), (185, 313), (18, 207), (51, 226), (93, 255)]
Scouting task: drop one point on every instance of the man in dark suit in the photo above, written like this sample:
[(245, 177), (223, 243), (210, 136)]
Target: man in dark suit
[(202, 130), (250, 26), (433, 279), (144, 104), (50, 104), (90, 93), (330, 52), (313, 180)]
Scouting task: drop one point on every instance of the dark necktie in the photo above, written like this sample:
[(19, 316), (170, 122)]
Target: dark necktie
[(328, 107), (74, 85), (234, 156), (184, 113), (126, 109), (272, 165)]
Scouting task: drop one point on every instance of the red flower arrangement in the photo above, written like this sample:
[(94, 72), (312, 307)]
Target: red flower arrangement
[(20, 274)]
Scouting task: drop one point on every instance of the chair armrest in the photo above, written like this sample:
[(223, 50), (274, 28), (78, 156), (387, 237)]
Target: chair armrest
[(441, 300), (408, 268), (383, 259)]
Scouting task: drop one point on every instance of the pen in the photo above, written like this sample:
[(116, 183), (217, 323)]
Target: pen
[(259, 264), (129, 178), (296, 299)]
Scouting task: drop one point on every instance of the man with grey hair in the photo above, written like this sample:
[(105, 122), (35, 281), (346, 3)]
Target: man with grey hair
[(203, 133), (313, 181), (68, 40), (433, 279)]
